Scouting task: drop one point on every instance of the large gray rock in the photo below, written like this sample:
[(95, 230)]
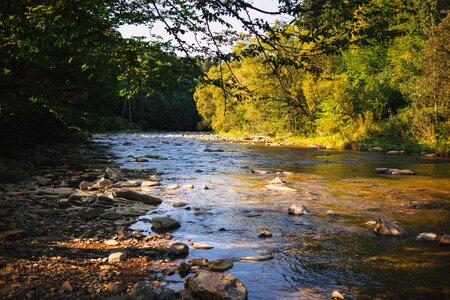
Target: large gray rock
[(388, 228), (178, 249), (162, 223), (216, 286), (114, 175), (136, 196)]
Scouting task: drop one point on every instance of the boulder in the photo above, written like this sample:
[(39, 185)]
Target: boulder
[(387, 228), (178, 249), (220, 265), (117, 287), (297, 210), (114, 175), (165, 223), (143, 292), (167, 294), (136, 196), (104, 184), (426, 236), (215, 286)]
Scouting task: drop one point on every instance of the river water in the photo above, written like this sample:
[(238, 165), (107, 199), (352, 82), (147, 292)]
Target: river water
[(312, 254)]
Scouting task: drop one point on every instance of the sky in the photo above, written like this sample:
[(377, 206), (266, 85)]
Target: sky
[(128, 31)]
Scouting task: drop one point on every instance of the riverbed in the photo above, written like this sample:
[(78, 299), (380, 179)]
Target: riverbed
[(313, 254)]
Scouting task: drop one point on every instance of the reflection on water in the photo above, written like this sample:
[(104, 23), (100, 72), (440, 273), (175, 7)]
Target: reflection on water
[(313, 254)]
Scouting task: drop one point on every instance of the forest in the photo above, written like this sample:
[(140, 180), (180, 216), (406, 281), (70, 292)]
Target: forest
[(367, 72)]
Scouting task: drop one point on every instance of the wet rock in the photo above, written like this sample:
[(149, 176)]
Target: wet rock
[(114, 175), (203, 213), (215, 286), (178, 249), (183, 269), (136, 196), (117, 287), (117, 256), (201, 262), (220, 265), (199, 171), (387, 228), (277, 180), (337, 296), (165, 223), (91, 213), (426, 236), (445, 240), (12, 234), (212, 150), (140, 159), (265, 234), (256, 258), (179, 203), (278, 187), (297, 210), (167, 294), (201, 246), (143, 292)]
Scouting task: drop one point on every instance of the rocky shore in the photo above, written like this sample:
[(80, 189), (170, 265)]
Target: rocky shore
[(65, 211)]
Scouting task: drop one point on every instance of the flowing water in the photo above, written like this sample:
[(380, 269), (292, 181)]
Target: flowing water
[(312, 254)]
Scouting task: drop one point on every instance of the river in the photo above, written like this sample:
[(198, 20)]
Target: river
[(312, 254)]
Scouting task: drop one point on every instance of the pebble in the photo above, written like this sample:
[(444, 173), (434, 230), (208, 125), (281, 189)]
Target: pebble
[(111, 242), (117, 256)]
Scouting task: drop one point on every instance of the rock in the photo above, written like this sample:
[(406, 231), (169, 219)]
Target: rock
[(297, 210), (256, 258), (114, 175), (426, 236), (167, 294), (149, 183), (142, 292), (200, 246), (136, 196), (445, 240), (277, 180), (278, 187), (376, 149), (201, 262), (41, 180), (117, 287), (393, 152), (215, 286), (203, 213), (140, 159), (86, 185), (265, 234), (11, 234), (199, 171), (117, 256), (179, 203), (212, 150), (205, 187), (128, 183), (165, 223), (91, 213), (104, 184), (110, 216), (183, 269), (220, 265), (312, 146), (387, 228), (332, 213), (111, 242), (336, 295), (187, 186), (394, 171), (178, 249), (66, 286), (172, 187)]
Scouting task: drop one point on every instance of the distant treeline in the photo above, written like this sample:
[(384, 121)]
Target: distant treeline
[(388, 84)]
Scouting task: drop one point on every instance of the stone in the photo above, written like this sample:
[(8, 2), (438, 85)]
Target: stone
[(187, 187), (297, 210), (104, 184), (117, 287), (336, 295), (387, 228), (117, 256), (86, 185), (277, 180), (332, 213), (201, 246), (265, 234), (215, 286), (203, 213), (114, 175), (179, 203), (178, 249), (128, 183), (256, 258), (167, 294), (110, 216), (201, 262), (426, 236), (111, 242), (278, 187), (41, 180), (136, 196), (393, 152), (220, 265), (12, 234), (172, 187), (143, 292), (91, 213), (212, 150), (394, 171), (205, 187), (376, 149), (66, 286), (149, 183), (165, 223), (140, 159), (312, 146), (445, 240)]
